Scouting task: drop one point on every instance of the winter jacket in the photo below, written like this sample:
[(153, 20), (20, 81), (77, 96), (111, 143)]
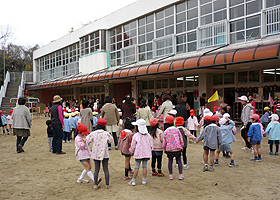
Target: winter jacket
[(226, 132), (67, 126), (165, 108), (186, 133), (181, 111), (273, 131), (110, 113), (125, 141), (192, 123), (86, 118), (82, 150), (172, 139), (212, 136), (254, 132), (73, 123), (145, 113), (247, 111), (128, 110), (21, 117), (141, 146), (265, 117), (158, 140)]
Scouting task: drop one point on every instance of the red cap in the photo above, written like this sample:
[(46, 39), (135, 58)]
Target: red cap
[(179, 121), (102, 122), (192, 112), (10, 112), (215, 118), (207, 118), (137, 107), (255, 116), (83, 129), (169, 120), (95, 109), (153, 122), (153, 108)]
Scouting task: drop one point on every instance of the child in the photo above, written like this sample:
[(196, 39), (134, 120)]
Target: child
[(265, 118), (173, 114), (83, 153), (73, 125), (66, 129), (10, 120), (4, 123), (212, 140), (141, 147), (100, 152), (192, 123), (206, 112), (172, 145), (185, 133), (50, 134), (157, 151), (255, 136), (124, 145), (273, 131), (94, 120), (154, 113), (227, 139)]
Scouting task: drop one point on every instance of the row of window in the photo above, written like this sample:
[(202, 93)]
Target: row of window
[(179, 82), (269, 75)]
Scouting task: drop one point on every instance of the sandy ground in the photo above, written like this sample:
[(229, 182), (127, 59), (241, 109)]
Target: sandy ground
[(39, 174)]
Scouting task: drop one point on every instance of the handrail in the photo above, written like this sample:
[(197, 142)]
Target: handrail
[(21, 87), (4, 87)]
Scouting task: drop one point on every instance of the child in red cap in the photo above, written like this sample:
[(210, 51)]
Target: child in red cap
[(212, 140), (192, 123), (100, 152), (173, 144), (179, 123), (83, 153), (10, 121)]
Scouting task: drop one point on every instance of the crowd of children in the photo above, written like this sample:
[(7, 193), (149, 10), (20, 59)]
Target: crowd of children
[(217, 130)]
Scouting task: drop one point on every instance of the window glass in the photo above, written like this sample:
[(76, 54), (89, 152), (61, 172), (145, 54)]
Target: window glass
[(235, 2), (180, 7), (237, 25), (159, 15), (164, 83), (181, 17), (196, 80), (189, 81), (204, 1), (268, 75), (237, 11), (254, 76), (218, 79), (229, 78), (218, 16), (192, 24), (192, 13), (206, 9), (172, 82), (181, 28), (253, 21), (278, 74), (151, 85), (192, 3), (180, 81), (242, 77), (219, 4), (158, 82), (145, 85), (169, 11), (270, 3), (141, 22), (254, 7)]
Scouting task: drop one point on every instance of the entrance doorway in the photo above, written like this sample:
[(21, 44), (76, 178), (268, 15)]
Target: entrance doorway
[(229, 96), (120, 90)]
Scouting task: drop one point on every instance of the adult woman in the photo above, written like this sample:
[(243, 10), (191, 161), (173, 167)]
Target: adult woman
[(181, 109), (247, 111), (128, 108), (165, 107), (22, 123), (57, 124), (144, 112), (110, 113), (86, 115)]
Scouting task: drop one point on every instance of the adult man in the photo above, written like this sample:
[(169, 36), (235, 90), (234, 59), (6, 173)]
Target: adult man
[(57, 124)]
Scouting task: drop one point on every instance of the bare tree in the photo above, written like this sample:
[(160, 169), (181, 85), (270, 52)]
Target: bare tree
[(5, 34)]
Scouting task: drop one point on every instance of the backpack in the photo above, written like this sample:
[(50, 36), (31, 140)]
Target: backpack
[(184, 137)]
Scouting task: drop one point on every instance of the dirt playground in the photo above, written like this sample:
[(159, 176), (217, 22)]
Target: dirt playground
[(39, 174)]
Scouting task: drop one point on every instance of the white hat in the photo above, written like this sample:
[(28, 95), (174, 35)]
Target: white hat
[(69, 110), (77, 109), (207, 112), (141, 123), (226, 115), (274, 117), (119, 110), (172, 112), (243, 98), (222, 121)]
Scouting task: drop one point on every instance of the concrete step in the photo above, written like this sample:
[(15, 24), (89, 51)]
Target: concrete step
[(12, 92)]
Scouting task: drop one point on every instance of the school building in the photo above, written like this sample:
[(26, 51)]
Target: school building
[(153, 46)]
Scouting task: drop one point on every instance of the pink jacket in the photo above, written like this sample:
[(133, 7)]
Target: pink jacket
[(192, 123), (82, 150), (187, 133), (100, 140), (172, 139), (157, 142), (125, 141), (141, 146)]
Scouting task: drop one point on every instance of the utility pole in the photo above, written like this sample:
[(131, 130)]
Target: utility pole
[(4, 64)]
